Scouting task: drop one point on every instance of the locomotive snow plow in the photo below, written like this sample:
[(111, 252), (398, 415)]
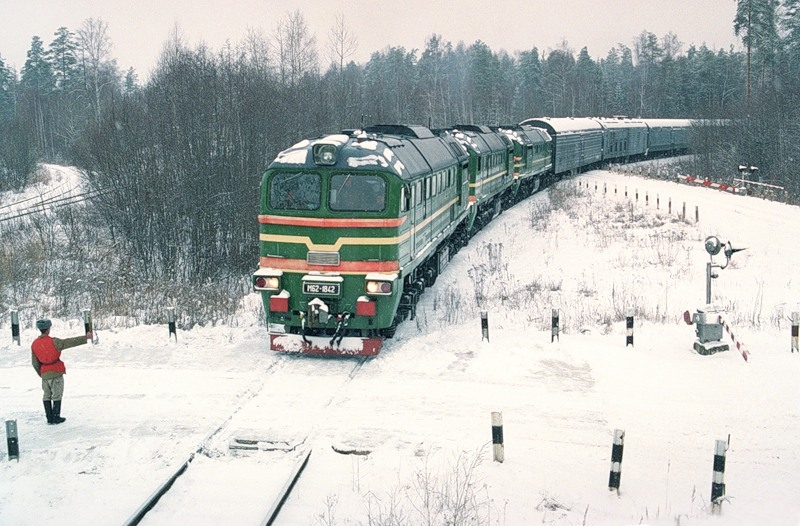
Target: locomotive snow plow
[(323, 345)]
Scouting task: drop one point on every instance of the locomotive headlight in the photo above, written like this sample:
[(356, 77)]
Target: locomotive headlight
[(379, 287), (325, 154), (267, 283), (267, 279)]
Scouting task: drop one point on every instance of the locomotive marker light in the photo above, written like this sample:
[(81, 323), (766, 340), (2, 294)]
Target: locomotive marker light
[(707, 319)]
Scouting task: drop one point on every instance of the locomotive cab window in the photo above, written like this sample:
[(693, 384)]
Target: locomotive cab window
[(295, 191), (351, 192)]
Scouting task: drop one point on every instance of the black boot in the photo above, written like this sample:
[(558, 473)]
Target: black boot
[(57, 418), (48, 410)]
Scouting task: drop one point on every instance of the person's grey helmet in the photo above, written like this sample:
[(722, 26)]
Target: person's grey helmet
[(43, 324)]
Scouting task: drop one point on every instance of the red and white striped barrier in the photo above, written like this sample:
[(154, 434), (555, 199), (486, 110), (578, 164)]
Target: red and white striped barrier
[(710, 184), (739, 345)]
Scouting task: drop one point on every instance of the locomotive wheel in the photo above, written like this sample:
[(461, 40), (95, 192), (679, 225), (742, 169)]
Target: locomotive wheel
[(389, 331)]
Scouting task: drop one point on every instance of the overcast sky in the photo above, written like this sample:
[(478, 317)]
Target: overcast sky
[(138, 28)]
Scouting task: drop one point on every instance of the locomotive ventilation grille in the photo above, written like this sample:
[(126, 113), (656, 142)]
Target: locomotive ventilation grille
[(322, 258)]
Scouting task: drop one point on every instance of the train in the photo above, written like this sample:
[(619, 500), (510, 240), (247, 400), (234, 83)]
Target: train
[(354, 226)]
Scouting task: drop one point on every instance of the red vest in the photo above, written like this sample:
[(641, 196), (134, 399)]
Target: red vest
[(47, 354)]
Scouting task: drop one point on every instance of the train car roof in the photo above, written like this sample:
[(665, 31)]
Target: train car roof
[(408, 151), (557, 125), (609, 123), (668, 123)]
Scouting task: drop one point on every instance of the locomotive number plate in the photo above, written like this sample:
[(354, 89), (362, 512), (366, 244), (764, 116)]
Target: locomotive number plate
[(322, 289)]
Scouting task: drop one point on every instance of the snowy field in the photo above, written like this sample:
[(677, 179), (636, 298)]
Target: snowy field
[(407, 440)]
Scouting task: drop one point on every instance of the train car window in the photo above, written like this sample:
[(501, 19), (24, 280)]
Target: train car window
[(406, 200), (295, 191), (356, 192)]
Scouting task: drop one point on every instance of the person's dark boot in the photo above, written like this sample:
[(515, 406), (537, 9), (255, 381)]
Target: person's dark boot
[(57, 418), (48, 410)]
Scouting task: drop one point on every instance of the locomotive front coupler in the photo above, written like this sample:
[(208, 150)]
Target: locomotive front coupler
[(343, 320)]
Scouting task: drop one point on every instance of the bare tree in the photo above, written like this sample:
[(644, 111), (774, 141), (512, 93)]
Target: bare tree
[(257, 50), (98, 66), (342, 43), (296, 48)]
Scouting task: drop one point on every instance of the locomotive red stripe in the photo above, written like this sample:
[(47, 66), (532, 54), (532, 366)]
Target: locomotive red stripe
[(345, 267), (331, 222)]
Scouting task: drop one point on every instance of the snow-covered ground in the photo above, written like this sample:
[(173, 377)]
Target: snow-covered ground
[(416, 420)]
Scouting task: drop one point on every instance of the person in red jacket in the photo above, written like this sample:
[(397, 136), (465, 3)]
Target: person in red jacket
[(46, 360)]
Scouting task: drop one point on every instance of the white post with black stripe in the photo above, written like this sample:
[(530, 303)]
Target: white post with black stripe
[(795, 324), (12, 440), (718, 482), (554, 326), (616, 460), (629, 328), (171, 322), (15, 326), (484, 325), (497, 437)]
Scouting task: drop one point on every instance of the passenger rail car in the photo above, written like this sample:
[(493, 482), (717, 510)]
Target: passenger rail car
[(354, 226), (577, 142)]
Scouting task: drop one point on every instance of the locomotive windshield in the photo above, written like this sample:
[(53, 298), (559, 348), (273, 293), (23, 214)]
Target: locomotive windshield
[(295, 191), (350, 192)]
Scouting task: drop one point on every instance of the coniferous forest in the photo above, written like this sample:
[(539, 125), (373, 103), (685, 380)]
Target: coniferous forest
[(174, 162)]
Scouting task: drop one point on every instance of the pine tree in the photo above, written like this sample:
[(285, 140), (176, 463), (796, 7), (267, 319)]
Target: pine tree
[(63, 59)]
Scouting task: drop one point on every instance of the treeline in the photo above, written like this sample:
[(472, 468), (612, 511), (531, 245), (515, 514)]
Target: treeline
[(177, 160)]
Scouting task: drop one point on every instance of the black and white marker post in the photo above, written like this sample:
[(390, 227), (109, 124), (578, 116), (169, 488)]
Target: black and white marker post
[(484, 325), (171, 322), (497, 437), (616, 460), (718, 482), (629, 329), (87, 325), (795, 323), (15, 326), (554, 327), (12, 440)]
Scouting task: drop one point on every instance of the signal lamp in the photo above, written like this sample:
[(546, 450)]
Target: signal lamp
[(325, 154), (379, 287), (267, 283)]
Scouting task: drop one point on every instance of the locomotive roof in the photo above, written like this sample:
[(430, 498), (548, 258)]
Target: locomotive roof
[(480, 139), (407, 151), (559, 125), (525, 134)]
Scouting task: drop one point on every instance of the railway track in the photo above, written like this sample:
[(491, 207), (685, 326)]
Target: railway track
[(244, 470), (43, 203)]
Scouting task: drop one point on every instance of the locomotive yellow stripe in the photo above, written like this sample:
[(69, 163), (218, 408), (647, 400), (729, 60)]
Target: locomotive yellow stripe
[(488, 180), (361, 241)]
